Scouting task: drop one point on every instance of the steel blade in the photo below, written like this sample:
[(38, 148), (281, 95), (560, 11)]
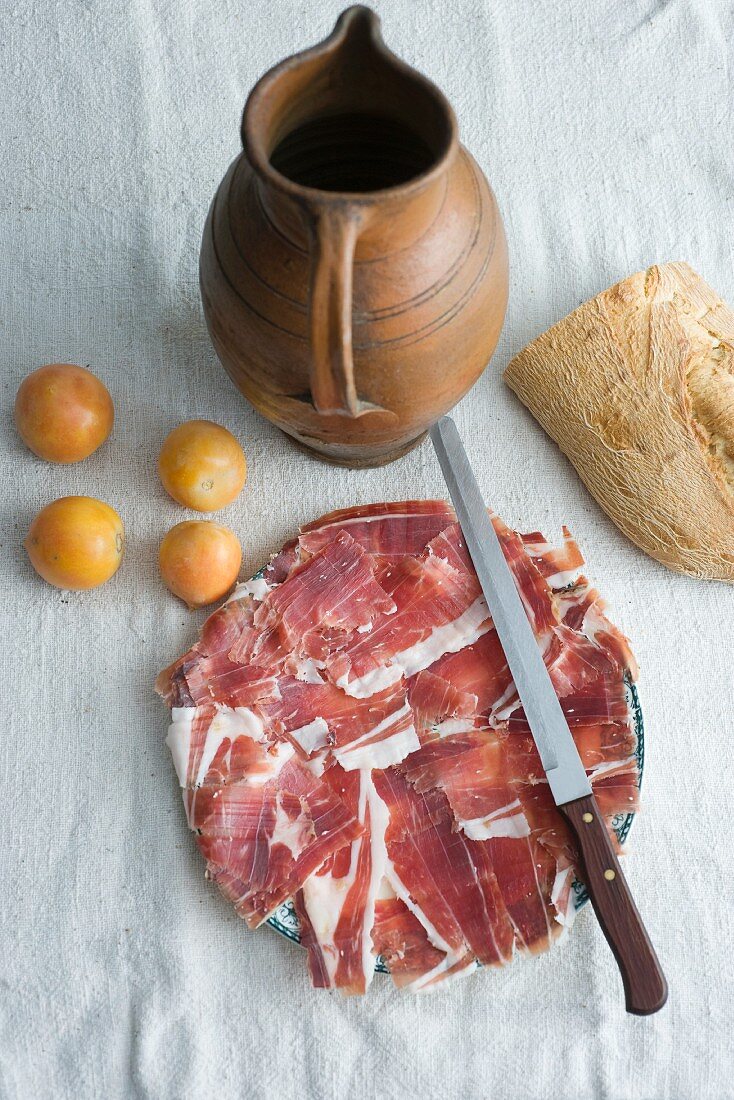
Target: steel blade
[(558, 753)]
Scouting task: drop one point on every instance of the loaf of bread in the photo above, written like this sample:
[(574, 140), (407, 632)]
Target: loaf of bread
[(636, 386)]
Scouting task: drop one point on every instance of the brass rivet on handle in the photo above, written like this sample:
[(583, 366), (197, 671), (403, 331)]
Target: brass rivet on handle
[(609, 874), (588, 818)]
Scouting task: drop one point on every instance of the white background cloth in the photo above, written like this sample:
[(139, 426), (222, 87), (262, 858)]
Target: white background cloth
[(605, 130)]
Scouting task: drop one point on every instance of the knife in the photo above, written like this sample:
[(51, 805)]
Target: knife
[(645, 987)]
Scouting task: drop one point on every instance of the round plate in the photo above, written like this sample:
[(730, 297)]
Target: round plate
[(285, 921)]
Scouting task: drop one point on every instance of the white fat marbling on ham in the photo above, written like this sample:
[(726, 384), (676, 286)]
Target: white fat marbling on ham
[(429, 981), (178, 740), (380, 517), (336, 900), (562, 897), (294, 834), (308, 671), (402, 892), (378, 679), (258, 588), (562, 577), (507, 821), (325, 898), (228, 723), (316, 765), (451, 726), (608, 767), (378, 749), (278, 756), (449, 638), (379, 820), (311, 737)]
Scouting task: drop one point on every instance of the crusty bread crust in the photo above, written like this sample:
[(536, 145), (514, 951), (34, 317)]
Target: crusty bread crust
[(636, 387)]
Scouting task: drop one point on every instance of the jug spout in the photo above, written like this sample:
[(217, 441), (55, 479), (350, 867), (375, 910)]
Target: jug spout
[(359, 21), (347, 117)]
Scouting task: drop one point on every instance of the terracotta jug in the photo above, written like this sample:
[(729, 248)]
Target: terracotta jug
[(354, 263)]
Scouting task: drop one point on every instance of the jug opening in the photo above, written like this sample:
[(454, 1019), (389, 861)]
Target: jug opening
[(352, 152), (348, 117)]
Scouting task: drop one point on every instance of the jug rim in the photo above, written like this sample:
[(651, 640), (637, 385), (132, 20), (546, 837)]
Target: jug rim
[(354, 19)]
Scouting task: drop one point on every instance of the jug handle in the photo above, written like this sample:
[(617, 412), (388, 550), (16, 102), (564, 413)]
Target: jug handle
[(334, 234)]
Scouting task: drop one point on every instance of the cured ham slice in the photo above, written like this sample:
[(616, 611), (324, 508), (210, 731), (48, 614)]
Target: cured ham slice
[(479, 669), (218, 679), (526, 873), (263, 821), (403, 942), (574, 662), (474, 772), (282, 563), (171, 686), (438, 609), (603, 701), (602, 747), (559, 565), (332, 593), (349, 738), (218, 635), (535, 591), (414, 963), (222, 630), (388, 531), (336, 905), (442, 876), (617, 790), (361, 733), (582, 609), (438, 706)]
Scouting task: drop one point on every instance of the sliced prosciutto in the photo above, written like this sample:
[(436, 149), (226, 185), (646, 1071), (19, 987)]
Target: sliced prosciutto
[(360, 733), (414, 962), (439, 706), (336, 905), (388, 531), (443, 877), (349, 738), (263, 821), (438, 608), (476, 774), (332, 593)]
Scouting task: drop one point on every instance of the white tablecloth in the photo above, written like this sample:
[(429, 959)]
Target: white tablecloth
[(605, 129)]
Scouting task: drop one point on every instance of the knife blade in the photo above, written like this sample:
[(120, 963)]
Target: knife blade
[(644, 983)]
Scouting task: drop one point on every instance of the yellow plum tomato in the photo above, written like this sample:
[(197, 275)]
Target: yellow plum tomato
[(199, 561), (63, 412), (76, 542), (202, 465)]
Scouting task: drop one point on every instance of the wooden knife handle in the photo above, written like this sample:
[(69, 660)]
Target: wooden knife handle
[(645, 987)]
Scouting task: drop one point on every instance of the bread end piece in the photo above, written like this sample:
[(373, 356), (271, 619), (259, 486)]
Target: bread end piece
[(636, 387)]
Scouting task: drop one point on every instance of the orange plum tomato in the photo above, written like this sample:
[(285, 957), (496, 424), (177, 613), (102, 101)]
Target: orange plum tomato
[(202, 466), (63, 412), (199, 561), (76, 542)]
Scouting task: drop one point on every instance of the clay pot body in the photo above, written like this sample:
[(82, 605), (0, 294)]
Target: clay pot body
[(354, 265)]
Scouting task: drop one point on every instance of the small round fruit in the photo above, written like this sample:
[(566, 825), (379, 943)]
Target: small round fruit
[(199, 561), (76, 542), (63, 412), (202, 465)]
